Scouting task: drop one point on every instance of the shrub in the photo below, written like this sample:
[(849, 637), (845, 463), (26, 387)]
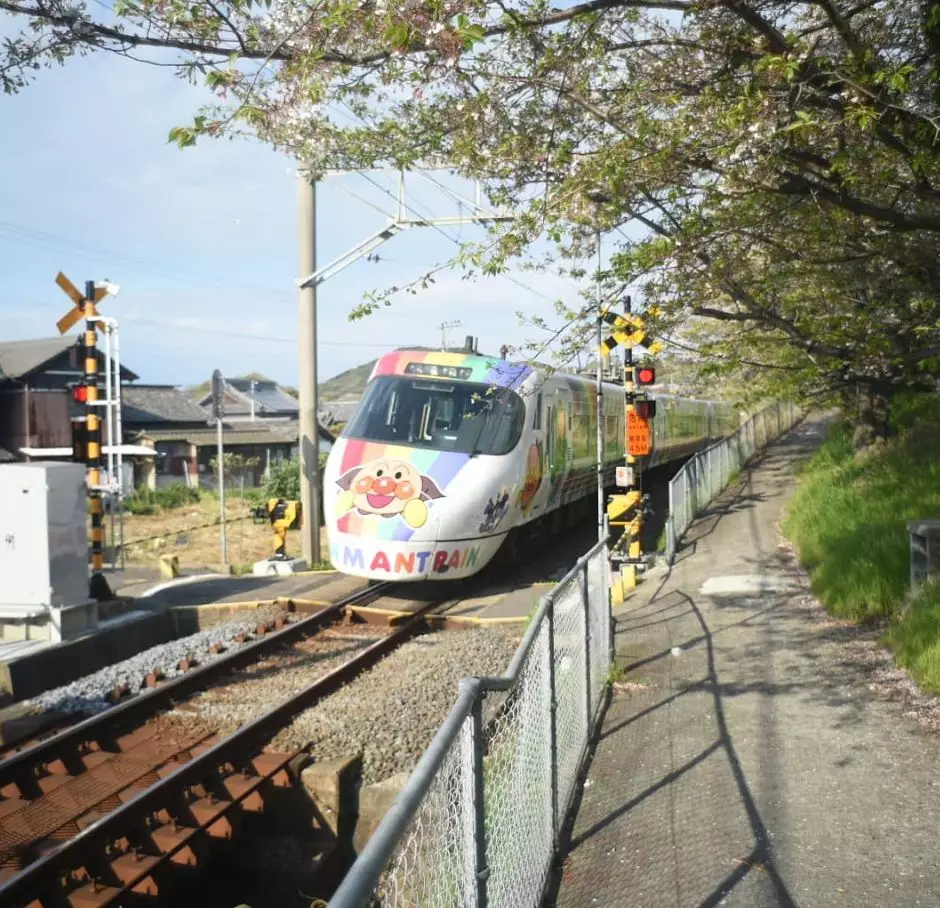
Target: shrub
[(142, 502), (177, 495), (284, 479)]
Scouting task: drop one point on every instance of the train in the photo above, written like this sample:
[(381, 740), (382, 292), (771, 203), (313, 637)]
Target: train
[(449, 453)]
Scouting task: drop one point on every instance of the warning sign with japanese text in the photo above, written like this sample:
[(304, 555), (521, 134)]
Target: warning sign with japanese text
[(639, 435)]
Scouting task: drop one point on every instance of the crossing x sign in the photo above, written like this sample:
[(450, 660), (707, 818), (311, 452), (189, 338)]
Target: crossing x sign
[(628, 330), (75, 314)]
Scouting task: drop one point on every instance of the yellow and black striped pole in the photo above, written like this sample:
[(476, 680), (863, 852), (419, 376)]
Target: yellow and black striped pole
[(93, 427), (98, 586)]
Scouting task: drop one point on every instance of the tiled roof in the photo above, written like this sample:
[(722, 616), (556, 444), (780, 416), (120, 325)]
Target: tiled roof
[(270, 398), (20, 358), (149, 404), (337, 410), (240, 434)]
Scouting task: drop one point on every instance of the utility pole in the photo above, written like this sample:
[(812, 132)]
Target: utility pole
[(444, 326), (308, 392)]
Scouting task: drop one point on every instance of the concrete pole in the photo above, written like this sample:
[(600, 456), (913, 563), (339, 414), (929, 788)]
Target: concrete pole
[(308, 393), (600, 402), (220, 455)]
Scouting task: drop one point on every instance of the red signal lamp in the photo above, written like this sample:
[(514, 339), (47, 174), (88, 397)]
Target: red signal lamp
[(645, 375), (80, 394), (645, 409)]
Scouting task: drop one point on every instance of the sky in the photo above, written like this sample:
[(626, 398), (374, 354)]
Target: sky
[(203, 241)]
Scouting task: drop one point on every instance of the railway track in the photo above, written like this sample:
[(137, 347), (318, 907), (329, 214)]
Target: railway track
[(122, 805)]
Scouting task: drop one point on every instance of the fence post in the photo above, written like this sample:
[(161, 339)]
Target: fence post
[(553, 716), (670, 522), (479, 815), (587, 649)]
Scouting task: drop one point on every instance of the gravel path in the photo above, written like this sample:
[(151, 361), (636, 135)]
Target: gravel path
[(89, 694), (391, 713)]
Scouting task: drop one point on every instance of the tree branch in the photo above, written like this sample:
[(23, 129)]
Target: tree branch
[(797, 184)]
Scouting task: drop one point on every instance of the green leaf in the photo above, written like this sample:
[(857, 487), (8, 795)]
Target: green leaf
[(183, 136)]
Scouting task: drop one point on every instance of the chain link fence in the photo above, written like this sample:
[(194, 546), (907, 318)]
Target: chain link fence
[(695, 486), (478, 822)]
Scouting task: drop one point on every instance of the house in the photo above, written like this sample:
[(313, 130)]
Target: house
[(251, 400), (167, 412), (35, 397), (186, 442), (337, 412), (167, 437)]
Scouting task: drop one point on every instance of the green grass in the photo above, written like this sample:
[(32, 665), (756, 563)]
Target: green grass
[(616, 673), (848, 520), (661, 541), (915, 638)]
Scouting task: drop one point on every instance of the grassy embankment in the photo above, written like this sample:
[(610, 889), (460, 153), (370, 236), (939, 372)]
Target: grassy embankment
[(849, 518)]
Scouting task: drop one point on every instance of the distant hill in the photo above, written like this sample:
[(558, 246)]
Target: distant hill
[(350, 384), (347, 385)]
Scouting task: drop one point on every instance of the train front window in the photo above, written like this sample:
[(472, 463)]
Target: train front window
[(447, 416)]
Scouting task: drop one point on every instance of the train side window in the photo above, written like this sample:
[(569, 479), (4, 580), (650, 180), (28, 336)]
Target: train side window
[(537, 415), (550, 441)]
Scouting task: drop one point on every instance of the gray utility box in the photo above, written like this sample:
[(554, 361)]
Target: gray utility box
[(925, 550), (43, 535)]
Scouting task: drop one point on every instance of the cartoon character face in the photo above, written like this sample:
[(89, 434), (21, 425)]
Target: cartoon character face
[(387, 488)]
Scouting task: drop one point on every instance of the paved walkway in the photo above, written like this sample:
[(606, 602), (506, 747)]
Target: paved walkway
[(753, 767)]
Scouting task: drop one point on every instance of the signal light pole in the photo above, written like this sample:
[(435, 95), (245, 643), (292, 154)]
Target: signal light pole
[(98, 585)]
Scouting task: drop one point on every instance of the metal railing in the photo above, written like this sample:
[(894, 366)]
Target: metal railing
[(695, 486), (478, 821)]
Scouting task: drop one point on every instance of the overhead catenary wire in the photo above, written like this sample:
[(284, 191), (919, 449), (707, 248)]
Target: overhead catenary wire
[(413, 209), (57, 242), (223, 332)]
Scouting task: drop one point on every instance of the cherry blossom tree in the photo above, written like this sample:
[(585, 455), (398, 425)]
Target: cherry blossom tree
[(770, 169)]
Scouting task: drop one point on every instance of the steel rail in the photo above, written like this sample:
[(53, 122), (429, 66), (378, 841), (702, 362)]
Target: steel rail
[(37, 879), (64, 744)]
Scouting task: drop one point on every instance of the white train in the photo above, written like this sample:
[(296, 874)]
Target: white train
[(449, 452)]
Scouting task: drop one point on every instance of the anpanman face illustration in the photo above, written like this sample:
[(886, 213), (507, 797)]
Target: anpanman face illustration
[(387, 488)]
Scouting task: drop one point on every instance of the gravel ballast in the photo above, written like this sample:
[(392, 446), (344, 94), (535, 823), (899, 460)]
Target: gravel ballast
[(391, 713), (89, 695), (248, 693)]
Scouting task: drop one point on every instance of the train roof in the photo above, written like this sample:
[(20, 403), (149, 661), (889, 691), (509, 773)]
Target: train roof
[(490, 370)]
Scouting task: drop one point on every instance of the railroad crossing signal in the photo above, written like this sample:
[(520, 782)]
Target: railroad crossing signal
[(629, 331), (86, 433)]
